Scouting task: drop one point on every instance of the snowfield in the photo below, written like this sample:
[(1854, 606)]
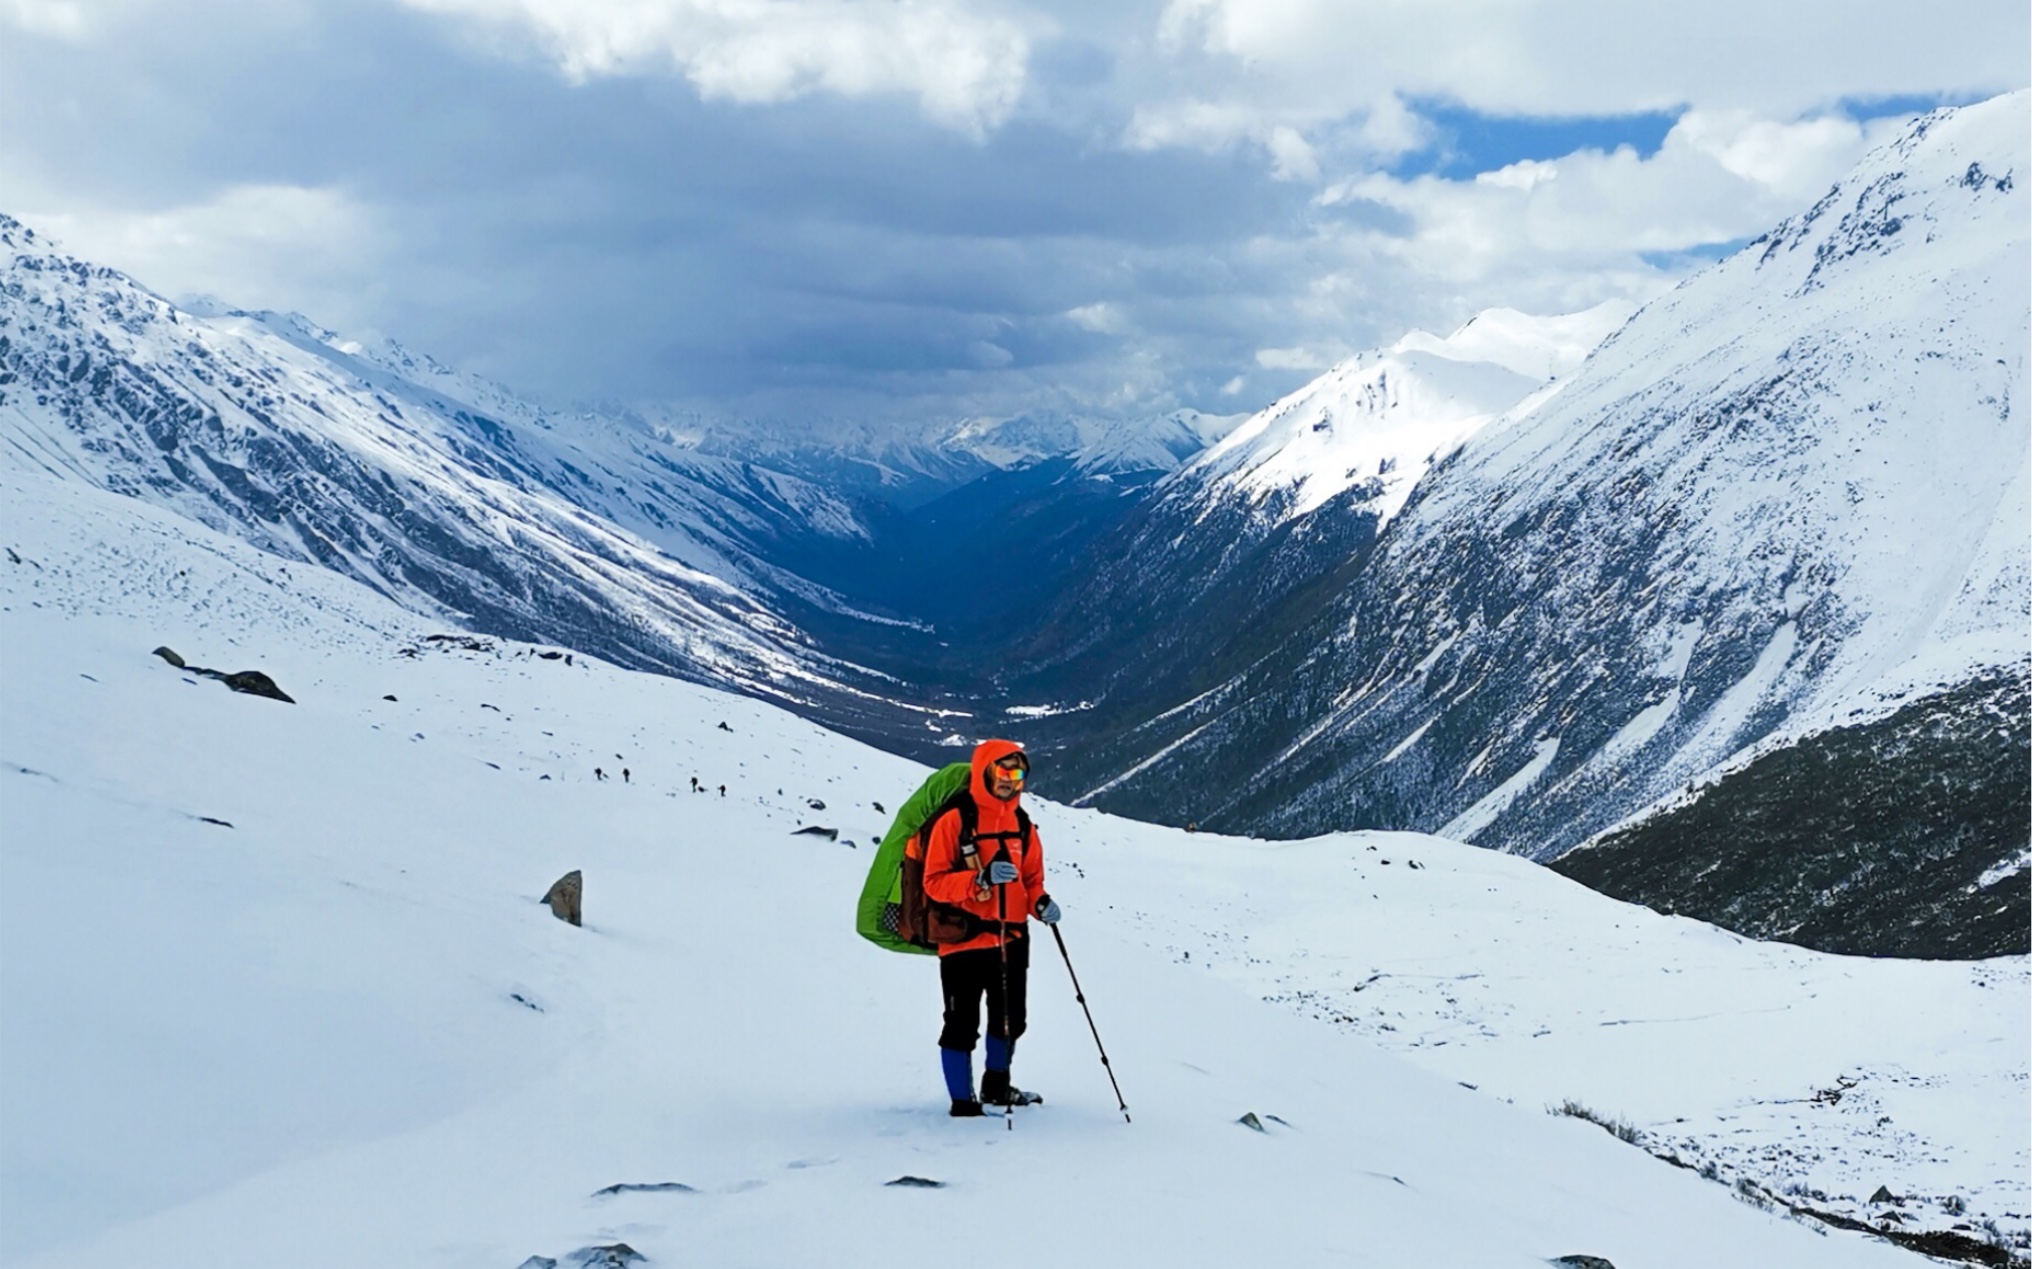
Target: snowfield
[(278, 990)]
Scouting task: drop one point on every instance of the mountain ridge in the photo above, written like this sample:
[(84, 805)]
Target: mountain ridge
[(1785, 488)]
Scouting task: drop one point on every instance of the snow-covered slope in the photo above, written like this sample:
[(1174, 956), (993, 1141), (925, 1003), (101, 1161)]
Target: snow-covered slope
[(444, 492), (278, 990), (1243, 543), (1791, 493)]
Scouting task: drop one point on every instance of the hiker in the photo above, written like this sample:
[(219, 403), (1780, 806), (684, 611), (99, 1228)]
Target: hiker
[(626, 778), (599, 774), (983, 891)]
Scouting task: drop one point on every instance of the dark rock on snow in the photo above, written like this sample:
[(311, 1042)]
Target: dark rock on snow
[(815, 830), (916, 1183), (564, 897), (252, 682), (255, 683), (652, 1187)]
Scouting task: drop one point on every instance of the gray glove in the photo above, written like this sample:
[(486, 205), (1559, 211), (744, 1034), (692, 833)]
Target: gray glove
[(1047, 910), (999, 873)]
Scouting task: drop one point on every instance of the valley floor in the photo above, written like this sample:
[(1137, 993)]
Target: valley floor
[(277, 989)]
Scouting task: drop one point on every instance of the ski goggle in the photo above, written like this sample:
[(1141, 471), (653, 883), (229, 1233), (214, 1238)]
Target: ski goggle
[(1013, 774)]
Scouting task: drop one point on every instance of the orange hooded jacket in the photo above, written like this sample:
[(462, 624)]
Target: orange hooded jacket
[(948, 879)]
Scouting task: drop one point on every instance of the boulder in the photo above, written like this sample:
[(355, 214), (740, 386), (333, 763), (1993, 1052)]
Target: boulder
[(1581, 1262), (169, 655), (255, 683), (564, 897), (639, 1187)]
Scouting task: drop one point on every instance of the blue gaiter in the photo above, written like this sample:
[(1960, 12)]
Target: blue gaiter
[(999, 1053), (959, 1073)]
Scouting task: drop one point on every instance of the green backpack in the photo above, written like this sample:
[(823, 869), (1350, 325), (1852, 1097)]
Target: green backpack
[(881, 917)]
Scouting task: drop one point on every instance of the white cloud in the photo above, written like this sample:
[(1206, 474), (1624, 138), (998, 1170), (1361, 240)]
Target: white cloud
[(1794, 160), (1302, 358), (63, 19), (1525, 174), (1101, 318), (1556, 57), (1289, 75), (1292, 159), (1715, 178), (966, 68), (1385, 129), (256, 246)]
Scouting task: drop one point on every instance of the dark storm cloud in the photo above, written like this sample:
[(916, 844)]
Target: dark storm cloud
[(1112, 239), (621, 238)]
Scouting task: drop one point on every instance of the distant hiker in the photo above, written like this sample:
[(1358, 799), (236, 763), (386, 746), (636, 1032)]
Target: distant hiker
[(625, 777), (983, 879), (694, 784), (599, 774), (723, 790)]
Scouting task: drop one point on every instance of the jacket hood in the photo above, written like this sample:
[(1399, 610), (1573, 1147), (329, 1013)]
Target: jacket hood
[(987, 754)]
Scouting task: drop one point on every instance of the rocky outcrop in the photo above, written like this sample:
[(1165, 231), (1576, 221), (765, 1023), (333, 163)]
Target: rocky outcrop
[(252, 682)]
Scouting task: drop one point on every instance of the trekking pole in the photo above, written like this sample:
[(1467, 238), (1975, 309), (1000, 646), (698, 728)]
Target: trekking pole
[(1002, 919), (1081, 996)]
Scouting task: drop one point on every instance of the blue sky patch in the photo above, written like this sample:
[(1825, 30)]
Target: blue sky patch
[(1864, 109), (1694, 257), (1469, 141)]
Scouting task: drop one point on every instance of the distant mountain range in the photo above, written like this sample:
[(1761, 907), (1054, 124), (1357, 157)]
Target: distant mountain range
[(1723, 606), (1790, 497)]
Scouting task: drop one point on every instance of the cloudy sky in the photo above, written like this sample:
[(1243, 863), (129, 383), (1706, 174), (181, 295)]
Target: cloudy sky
[(820, 211)]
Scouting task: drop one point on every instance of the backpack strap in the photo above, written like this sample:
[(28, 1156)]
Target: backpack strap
[(1024, 833), (962, 801)]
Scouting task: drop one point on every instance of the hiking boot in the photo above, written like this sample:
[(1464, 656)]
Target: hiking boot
[(966, 1108), (996, 1090)]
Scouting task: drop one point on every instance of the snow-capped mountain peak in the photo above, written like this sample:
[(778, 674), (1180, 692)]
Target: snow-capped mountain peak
[(1376, 422), (1095, 445)]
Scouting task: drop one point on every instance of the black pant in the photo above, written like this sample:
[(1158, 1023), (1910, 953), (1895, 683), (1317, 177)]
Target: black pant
[(965, 977)]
